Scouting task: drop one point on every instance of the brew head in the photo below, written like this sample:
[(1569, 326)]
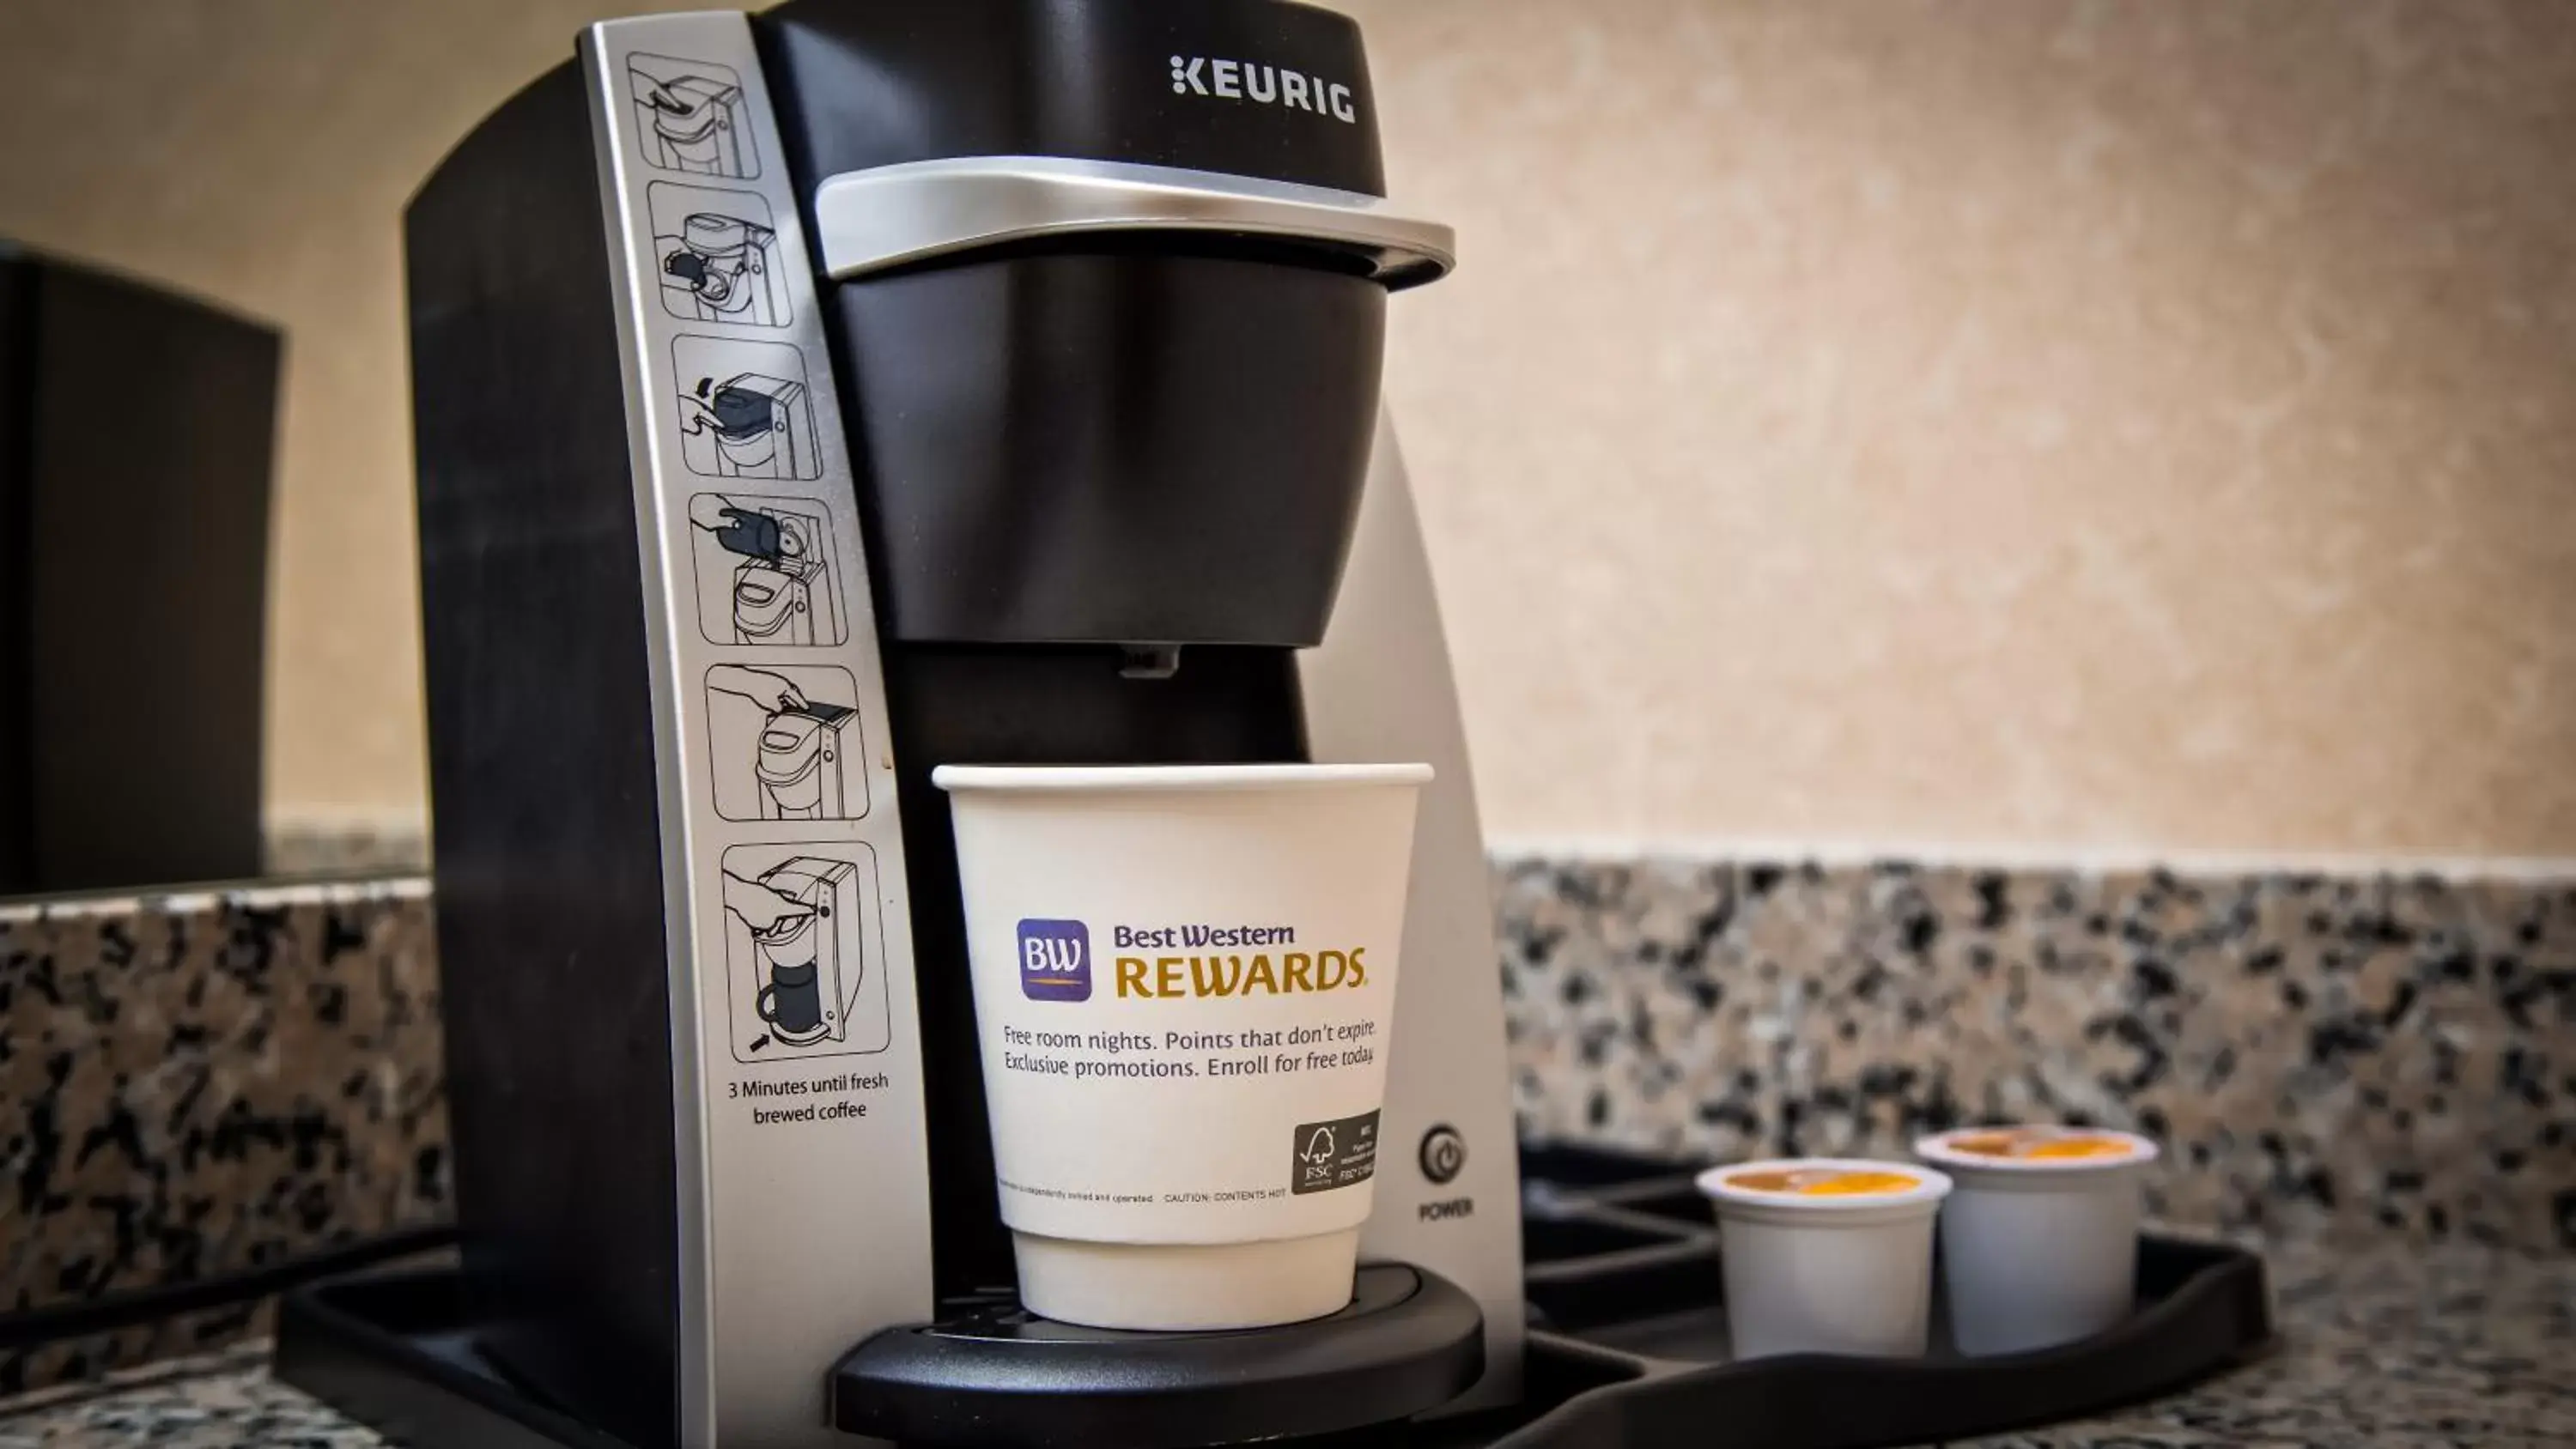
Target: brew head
[(1109, 281)]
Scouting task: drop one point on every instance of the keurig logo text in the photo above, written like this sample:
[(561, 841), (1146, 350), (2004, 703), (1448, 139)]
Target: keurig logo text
[(1241, 80)]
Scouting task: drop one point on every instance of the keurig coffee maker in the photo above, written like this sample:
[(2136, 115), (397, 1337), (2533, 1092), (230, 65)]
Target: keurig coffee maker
[(929, 382)]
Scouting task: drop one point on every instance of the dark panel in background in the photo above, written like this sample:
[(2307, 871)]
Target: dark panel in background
[(136, 430)]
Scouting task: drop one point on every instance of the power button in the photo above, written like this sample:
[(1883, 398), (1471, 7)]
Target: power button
[(1443, 1154)]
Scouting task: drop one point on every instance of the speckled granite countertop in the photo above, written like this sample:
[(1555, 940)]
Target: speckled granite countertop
[(2396, 1343), (2401, 1343), (2375, 1073)]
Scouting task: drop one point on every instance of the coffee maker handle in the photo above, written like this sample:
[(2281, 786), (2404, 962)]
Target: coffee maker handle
[(892, 216)]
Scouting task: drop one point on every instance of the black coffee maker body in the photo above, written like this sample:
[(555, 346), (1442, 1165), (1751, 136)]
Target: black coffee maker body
[(1055, 438)]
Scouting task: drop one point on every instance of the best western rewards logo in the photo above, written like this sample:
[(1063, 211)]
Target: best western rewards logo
[(1260, 974), (1055, 960)]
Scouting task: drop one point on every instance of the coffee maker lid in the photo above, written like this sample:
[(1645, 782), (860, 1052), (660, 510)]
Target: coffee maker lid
[(892, 216), (743, 406)]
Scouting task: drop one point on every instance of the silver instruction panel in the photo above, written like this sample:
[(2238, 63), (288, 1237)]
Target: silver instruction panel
[(803, 1162)]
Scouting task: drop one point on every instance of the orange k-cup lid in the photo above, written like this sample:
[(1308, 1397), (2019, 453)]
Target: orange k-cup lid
[(2038, 1149), (1824, 1185)]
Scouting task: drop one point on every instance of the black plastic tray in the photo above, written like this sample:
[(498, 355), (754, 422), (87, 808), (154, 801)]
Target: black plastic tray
[(1627, 1347), (1623, 1277)]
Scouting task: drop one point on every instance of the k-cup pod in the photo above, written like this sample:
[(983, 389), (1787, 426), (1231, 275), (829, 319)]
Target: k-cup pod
[(1826, 1254), (2039, 1245), (1184, 987)]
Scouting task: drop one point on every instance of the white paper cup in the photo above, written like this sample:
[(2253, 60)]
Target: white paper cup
[(1184, 990), (2037, 1251), (1846, 1273)]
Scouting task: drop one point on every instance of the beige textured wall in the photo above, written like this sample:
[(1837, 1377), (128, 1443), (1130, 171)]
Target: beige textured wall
[(2031, 423), (259, 152)]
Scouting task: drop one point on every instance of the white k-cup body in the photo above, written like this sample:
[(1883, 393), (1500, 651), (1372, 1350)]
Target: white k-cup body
[(2038, 1252), (1844, 1275), (1184, 982)]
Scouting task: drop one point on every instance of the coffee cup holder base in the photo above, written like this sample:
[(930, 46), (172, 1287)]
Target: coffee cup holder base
[(995, 1374), (399, 1350)]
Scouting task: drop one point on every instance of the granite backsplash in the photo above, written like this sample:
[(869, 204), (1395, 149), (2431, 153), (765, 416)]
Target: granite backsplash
[(2315, 1054), (198, 1084)]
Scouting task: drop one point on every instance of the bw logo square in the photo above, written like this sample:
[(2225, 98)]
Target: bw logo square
[(1055, 960)]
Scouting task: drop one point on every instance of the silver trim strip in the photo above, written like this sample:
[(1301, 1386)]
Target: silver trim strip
[(891, 216), (802, 1145), (693, 1272)]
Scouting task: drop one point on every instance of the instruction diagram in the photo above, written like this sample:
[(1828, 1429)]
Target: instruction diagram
[(744, 409), (717, 255), (801, 934), (765, 572), (783, 743), (689, 116)]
